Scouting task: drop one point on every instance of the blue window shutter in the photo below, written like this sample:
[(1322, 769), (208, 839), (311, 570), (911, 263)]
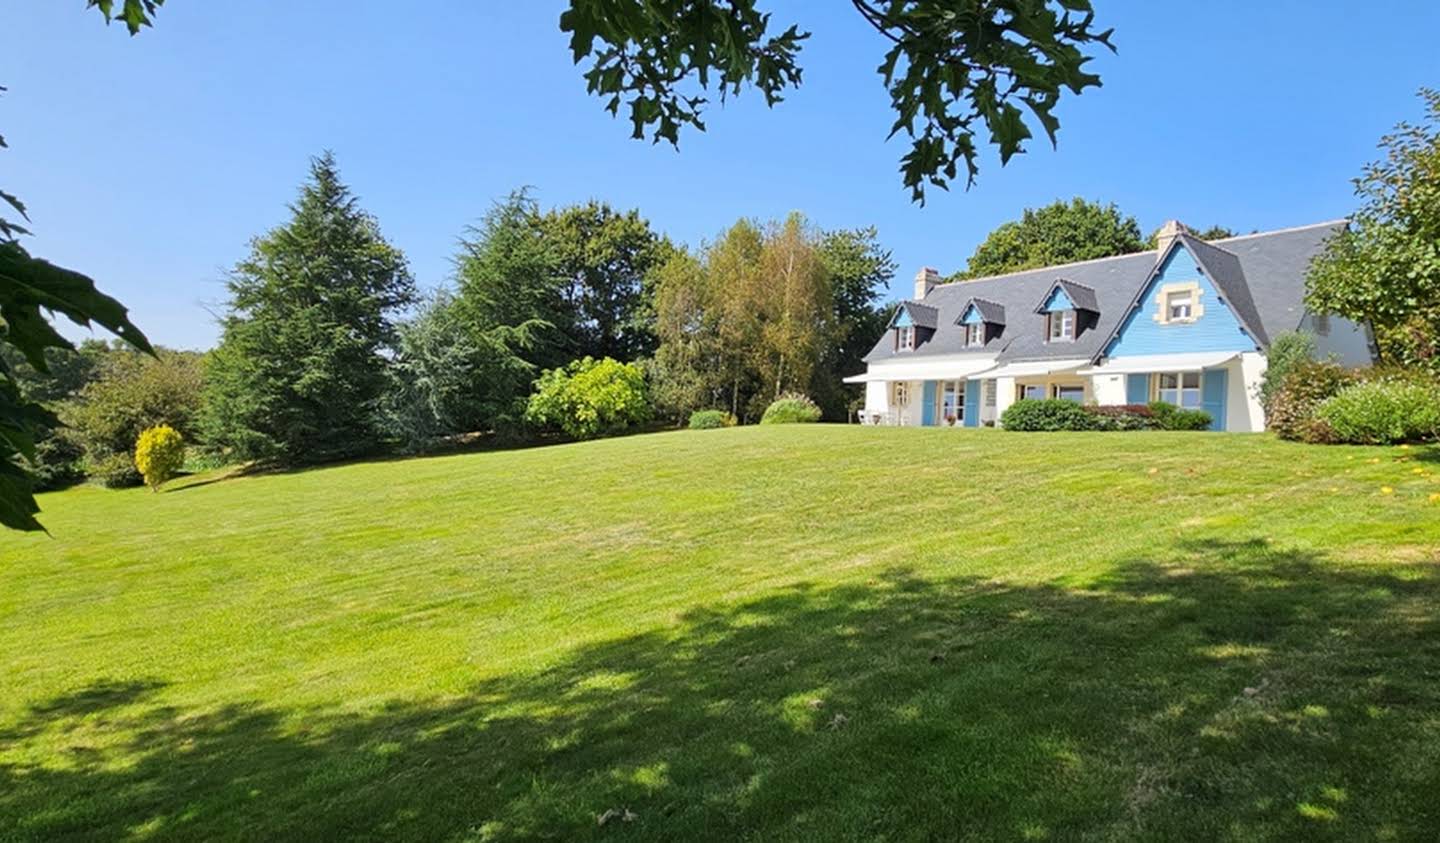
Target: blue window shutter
[(927, 403), (1137, 389), (972, 403), (1212, 396)]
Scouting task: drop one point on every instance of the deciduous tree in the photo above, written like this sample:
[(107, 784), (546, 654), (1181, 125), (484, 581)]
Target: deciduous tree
[(1061, 232)]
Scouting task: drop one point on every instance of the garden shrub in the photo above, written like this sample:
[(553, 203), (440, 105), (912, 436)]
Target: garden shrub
[(159, 453), (590, 398), (1292, 410), (1287, 351), (1382, 412), (791, 409), (1170, 417), (1034, 414), (710, 419), (1122, 417), (114, 471)]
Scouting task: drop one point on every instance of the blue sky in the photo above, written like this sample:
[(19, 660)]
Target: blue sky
[(150, 162)]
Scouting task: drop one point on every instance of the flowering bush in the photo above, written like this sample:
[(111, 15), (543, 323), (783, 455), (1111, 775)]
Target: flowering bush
[(1292, 409), (590, 398), (1122, 417), (791, 409), (159, 453)]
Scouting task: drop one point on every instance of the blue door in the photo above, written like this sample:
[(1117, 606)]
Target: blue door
[(1212, 396), (927, 403), (972, 403), (1137, 389)]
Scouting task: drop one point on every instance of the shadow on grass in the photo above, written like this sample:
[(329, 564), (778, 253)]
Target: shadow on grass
[(1216, 690)]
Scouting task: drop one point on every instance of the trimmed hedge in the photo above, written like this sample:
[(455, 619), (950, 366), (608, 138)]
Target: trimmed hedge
[(1045, 414), (791, 409), (1122, 417), (710, 419), (1381, 413), (1171, 417)]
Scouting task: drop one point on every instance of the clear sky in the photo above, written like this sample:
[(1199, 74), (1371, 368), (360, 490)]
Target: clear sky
[(150, 162)]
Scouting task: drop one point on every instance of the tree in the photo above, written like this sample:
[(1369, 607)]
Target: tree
[(796, 309), (448, 379), (603, 258), (299, 372), (1214, 232), (951, 70), (133, 392), (1384, 269), (159, 454), (860, 270), (1061, 232), (508, 275)]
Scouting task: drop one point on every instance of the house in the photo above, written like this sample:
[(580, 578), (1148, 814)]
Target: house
[(1188, 323)]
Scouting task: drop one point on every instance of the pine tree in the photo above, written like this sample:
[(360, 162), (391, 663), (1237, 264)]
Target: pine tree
[(299, 372)]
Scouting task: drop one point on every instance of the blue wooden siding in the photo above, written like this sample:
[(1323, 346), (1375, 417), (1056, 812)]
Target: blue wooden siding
[(902, 319), (1212, 396), (1137, 389), (1058, 301), (927, 403), (972, 403), (1217, 329), (971, 316)]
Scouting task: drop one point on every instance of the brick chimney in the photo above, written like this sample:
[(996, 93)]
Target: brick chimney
[(1168, 232), (925, 280)]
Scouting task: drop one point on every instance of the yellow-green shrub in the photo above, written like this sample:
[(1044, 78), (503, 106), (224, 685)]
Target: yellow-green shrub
[(159, 453)]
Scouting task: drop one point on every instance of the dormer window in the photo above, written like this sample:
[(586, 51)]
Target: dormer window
[(905, 338), (975, 334), (1062, 325)]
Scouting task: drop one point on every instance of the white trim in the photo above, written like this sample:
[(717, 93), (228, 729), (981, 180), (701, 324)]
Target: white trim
[(1147, 363), (931, 369), (1035, 368)]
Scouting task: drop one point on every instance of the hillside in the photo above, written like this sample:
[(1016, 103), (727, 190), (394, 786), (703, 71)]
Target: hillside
[(818, 632)]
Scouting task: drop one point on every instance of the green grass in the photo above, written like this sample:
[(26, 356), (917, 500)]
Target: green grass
[(781, 633)]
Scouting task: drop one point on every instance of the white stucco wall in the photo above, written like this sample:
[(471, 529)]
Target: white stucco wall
[(1242, 393), (1004, 396), (1108, 389)]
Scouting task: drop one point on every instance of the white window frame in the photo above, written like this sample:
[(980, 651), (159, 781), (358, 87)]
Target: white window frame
[(1055, 389), (1179, 391), (900, 391), (1025, 388), (975, 333), (1170, 296), (955, 390), (1065, 319), (905, 338)]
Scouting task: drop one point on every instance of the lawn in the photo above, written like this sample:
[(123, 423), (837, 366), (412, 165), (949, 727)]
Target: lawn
[(785, 633)]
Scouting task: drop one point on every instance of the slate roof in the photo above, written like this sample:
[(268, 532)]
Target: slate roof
[(921, 315), (1262, 277), (1081, 296), (989, 311)]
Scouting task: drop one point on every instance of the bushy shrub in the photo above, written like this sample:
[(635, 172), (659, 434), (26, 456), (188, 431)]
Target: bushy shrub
[(1292, 410), (1122, 417), (1032, 414), (159, 453), (710, 419), (590, 398), (1170, 417), (791, 409), (1381, 412), (133, 392), (1287, 351)]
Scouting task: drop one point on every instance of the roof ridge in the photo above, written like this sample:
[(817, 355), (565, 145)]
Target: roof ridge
[(1144, 252), (1275, 231)]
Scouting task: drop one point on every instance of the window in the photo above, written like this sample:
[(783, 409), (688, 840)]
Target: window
[(1067, 392), (1178, 304), (952, 403), (1179, 388), (975, 333), (1062, 325), (901, 391), (905, 338), (1033, 391), (1181, 306), (989, 391)]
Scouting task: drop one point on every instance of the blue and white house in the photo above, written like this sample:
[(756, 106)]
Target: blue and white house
[(1188, 323)]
